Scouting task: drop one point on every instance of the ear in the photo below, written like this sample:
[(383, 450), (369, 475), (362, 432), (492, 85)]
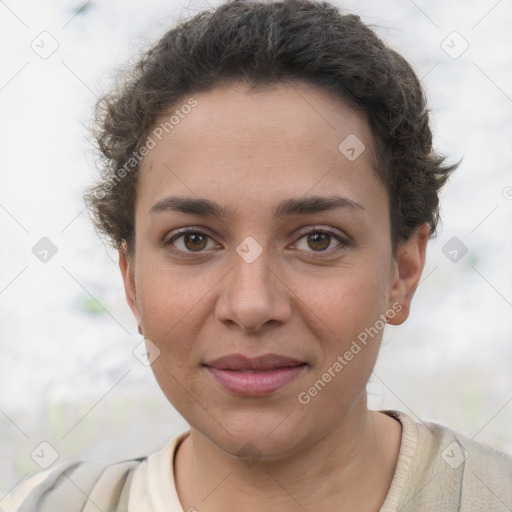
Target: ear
[(128, 273), (406, 276)]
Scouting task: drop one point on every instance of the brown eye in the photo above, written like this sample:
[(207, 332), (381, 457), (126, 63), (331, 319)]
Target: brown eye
[(319, 241), (194, 241), (188, 241)]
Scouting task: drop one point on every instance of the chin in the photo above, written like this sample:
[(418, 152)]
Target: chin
[(256, 435)]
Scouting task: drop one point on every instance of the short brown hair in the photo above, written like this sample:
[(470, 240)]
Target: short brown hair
[(264, 43)]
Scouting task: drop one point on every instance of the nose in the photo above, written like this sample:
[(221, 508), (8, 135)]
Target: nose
[(253, 295)]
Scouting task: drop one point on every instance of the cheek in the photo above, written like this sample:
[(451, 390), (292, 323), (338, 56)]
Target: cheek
[(349, 350), (178, 384), (349, 299), (349, 304), (171, 302), (164, 292), (167, 302)]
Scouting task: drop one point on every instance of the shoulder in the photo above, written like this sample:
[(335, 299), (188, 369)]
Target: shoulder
[(449, 468), (485, 470), (84, 485), (457, 449), (68, 487)]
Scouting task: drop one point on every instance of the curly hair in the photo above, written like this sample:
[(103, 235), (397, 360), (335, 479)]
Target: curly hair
[(265, 43)]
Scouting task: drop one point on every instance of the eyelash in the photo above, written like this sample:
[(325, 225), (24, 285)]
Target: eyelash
[(343, 242)]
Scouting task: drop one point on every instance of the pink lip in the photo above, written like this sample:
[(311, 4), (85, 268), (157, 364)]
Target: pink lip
[(241, 362), (254, 383), (261, 375)]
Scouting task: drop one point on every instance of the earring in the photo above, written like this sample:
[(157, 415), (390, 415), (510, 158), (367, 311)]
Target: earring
[(140, 329)]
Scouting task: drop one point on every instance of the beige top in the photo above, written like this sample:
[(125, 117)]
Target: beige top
[(418, 482), (438, 470)]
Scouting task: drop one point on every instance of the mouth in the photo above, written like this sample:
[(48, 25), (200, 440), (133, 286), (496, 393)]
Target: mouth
[(264, 375), (240, 362)]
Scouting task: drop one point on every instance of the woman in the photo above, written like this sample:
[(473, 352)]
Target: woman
[(270, 183)]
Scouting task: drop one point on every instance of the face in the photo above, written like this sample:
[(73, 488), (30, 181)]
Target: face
[(293, 268)]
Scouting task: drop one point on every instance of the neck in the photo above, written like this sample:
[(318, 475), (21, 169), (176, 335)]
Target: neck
[(338, 470)]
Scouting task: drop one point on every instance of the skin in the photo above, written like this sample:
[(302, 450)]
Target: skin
[(249, 151)]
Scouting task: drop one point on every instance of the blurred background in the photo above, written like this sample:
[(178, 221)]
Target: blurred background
[(68, 373)]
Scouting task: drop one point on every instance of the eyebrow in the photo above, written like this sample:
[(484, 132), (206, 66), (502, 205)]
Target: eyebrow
[(288, 207)]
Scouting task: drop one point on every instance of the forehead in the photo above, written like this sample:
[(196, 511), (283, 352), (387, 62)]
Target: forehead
[(283, 113), (260, 144)]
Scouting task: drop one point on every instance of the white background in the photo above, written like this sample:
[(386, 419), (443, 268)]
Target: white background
[(67, 372)]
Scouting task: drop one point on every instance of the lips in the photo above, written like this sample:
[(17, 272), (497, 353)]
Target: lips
[(264, 375), (239, 362)]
